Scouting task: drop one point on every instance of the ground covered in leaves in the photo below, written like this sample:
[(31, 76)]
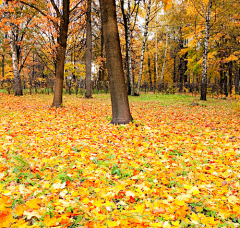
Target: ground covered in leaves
[(177, 165)]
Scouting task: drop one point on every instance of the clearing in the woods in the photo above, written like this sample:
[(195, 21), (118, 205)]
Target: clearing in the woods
[(176, 165)]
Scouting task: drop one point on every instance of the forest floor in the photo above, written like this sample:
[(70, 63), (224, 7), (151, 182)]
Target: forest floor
[(177, 165)]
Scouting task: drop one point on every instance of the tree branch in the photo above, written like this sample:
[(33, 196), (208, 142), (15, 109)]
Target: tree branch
[(56, 9), (40, 11), (75, 6)]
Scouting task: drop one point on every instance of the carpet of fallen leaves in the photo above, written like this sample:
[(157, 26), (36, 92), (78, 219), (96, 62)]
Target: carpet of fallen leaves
[(176, 166)]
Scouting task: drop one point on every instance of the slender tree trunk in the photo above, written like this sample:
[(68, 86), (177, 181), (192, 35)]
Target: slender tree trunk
[(15, 61), (193, 81), (15, 58), (156, 57), (205, 54), (174, 69), (33, 73), (102, 68), (88, 51), (143, 48), (120, 104), (3, 65), (155, 77), (129, 49), (237, 78), (130, 60), (61, 52), (230, 73), (126, 23), (164, 61), (149, 73), (225, 84), (221, 80)]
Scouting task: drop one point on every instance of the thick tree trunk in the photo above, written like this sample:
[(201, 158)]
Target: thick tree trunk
[(143, 48), (120, 105), (205, 54), (61, 51), (88, 51), (164, 61)]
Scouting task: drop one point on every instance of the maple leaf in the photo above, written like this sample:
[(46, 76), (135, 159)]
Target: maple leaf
[(30, 214), (48, 221)]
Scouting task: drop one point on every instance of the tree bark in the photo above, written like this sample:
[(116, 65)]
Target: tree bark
[(164, 61), (143, 48), (221, 79), (205, 53), (120, 104), (156, 58), (126, 22), (237, 78), (15, 59), (230, 73), (61, 52), (103, 65), (88, 51), (128, 46), (3, 65), (149, 73)]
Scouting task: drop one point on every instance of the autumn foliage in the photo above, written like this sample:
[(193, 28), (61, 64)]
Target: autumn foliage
[(177, 165)]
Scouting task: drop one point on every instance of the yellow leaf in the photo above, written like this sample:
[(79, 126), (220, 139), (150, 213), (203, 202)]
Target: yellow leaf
[(97, 203), (194, 191), (233, 199), (159, 224), (187, 187), (19, 210), (184, 197), (194, 217), (113, 223), (176, 223), (50, 221), (85, 200), (179, 202), (33, 204), (75, 193), (140, 208)]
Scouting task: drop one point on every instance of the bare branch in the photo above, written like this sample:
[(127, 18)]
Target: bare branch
[(56, 9), (75, 6)]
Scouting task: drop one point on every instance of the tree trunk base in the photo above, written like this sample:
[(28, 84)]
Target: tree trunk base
[(18, 93), (88, 97), (119, 122), (56, 106)]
